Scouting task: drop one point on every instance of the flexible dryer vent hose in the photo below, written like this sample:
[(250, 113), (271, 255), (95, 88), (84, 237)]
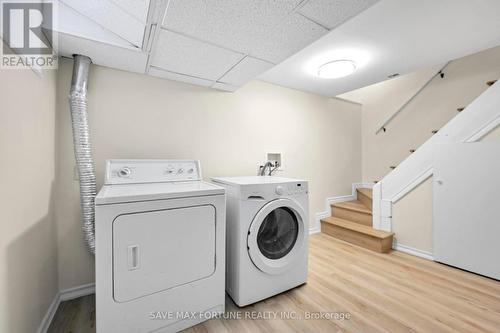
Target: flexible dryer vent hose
[(82, 146)]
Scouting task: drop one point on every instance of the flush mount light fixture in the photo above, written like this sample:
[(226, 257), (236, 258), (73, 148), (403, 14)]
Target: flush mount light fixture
[(336, 69)]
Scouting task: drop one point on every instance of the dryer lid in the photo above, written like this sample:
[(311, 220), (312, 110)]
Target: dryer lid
[(111, 194)]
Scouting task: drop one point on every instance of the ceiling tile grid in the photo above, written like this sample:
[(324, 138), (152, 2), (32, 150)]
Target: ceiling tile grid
[(265, 31), (239, 25), (218, 43)]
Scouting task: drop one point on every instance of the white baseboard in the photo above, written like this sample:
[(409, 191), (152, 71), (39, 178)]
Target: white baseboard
[(75, 292), (316, 226), (61, 296), (413, 251), (314, 230), (49, 315)]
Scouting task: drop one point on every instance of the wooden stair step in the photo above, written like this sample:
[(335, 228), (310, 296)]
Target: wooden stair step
[(365, 196), (366, 192), (354, 205), (354, 211), (355, 233)]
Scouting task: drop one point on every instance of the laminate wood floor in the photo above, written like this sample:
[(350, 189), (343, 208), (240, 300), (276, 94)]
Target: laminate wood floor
[(392, 292)]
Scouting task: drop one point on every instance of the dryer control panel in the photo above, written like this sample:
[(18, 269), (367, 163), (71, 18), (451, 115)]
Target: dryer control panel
[(151, 171)]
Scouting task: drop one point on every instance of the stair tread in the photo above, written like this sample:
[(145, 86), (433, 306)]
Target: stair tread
[(363, 229), (354, 205), (366, 191)]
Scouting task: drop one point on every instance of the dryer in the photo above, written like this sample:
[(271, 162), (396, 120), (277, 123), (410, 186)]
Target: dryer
[(267, 236), (160, 253)]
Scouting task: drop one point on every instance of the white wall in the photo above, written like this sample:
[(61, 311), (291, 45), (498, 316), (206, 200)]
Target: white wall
[(28, 244), (135, 116)]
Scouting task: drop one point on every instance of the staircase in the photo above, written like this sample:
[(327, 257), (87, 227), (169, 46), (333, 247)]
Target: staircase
[(351, 221)]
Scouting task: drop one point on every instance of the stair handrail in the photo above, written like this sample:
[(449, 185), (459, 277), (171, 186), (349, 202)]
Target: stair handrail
[(478, 119), (402, 107)]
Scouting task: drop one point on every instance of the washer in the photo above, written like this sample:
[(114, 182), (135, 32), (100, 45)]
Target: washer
[(160, 256), (267, 236)]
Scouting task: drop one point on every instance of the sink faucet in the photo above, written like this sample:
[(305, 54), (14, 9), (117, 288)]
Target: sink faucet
[(268, 165)]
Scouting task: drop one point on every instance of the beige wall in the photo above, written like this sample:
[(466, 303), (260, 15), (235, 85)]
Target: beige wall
[(135, 116), (435, 106), (28, 244)]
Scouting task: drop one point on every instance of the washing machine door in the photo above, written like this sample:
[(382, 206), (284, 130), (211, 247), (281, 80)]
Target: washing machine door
[(277, 236)]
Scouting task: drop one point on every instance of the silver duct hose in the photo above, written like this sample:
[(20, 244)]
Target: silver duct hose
[(83, 148)]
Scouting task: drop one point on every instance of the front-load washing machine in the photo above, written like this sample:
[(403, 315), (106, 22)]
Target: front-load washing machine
[(160, 253), (266, 236)]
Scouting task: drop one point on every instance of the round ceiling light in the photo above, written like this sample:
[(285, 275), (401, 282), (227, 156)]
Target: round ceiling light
[(337, 68)]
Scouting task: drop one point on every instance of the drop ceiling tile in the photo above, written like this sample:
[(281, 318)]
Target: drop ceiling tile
[(157, 72), (112, 17), (245, 70), (332, 13), (73, 23), (292, 35), (180, 54), (239, 25), (103, 54), (137, 8)]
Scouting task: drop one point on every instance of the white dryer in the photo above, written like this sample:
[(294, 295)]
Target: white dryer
[(160, 255), (266, 236)]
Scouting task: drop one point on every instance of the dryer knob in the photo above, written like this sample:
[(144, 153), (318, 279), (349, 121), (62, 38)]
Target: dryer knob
[(125, 172), (280, 190)]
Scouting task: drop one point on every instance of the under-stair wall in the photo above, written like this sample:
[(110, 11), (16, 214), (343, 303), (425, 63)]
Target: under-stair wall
[(412, 218), (477, 120)]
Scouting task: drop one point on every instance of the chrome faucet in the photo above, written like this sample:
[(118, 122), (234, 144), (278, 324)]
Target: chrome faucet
[(268, 165)]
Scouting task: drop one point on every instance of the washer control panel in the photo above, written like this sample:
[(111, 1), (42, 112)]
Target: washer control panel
[(151, 171), (296, 188)]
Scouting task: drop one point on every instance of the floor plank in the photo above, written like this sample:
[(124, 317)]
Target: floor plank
[(392, 292)]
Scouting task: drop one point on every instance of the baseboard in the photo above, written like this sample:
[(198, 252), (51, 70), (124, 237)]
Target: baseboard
[(316, 227), (75, 292), (49, 315), (61, 296), (413, 251), (314, 230)]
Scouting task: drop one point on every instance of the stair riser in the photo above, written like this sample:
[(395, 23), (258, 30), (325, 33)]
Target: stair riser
[(347, 214), (365, 200), (353, 237)]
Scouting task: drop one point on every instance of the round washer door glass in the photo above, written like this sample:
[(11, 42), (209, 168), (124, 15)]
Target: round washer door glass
[(278, 233)]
